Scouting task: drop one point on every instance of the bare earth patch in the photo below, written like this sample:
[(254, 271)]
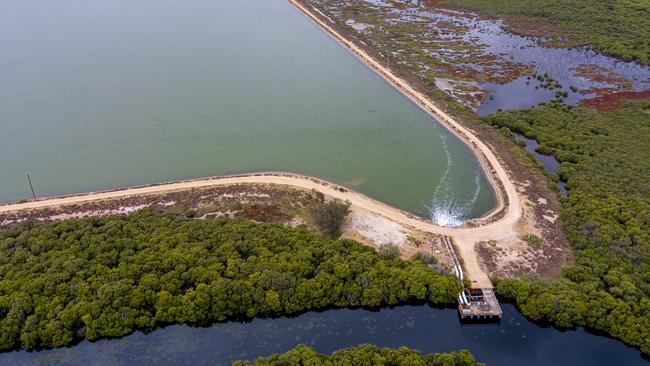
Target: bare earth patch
[(258, 202), (375, 230), (379, 230), (540, 249)]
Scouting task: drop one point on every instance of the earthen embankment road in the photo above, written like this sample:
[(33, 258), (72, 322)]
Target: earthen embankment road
[(463, 237), (507, 196), (501, 227)]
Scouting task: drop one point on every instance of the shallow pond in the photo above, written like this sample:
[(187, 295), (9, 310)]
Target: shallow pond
[(479, 63), (548, 161), (98, 95), (589, 72), (515, 341)]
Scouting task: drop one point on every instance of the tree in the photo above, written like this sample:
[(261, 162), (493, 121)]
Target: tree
[(389, 251), (364, 354), (329, 216), (106, 277)]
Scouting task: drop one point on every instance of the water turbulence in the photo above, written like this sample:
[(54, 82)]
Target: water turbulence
[(287, 98), (446, 208)]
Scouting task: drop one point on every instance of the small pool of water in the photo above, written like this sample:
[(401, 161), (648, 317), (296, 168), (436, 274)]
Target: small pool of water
[(588, 71), (516, 341), (481, 64), (548, 161)]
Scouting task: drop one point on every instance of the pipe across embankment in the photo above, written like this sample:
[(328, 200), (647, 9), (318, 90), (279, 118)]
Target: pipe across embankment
[(498, 224), (463, 237), (491, 226)]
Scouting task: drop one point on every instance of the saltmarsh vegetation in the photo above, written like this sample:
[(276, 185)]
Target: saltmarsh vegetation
[(605, 160), (620, 27), (364, 354), (605, 156), (106, 277)]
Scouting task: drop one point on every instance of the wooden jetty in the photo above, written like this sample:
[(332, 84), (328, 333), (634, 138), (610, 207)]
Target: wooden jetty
[(474, 304)]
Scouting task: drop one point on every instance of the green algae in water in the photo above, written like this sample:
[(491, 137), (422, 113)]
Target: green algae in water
[(133, 93)]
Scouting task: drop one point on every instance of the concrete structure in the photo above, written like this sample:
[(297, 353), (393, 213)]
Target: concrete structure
[(479, 304), (474, 304)]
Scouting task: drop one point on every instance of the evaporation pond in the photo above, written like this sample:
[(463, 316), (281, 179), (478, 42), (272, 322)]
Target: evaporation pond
[(98, 95)]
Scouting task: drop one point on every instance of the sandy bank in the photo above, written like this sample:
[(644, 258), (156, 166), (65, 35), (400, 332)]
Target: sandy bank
[(499, 224), (464, 237), (492, 225), (507, 196)]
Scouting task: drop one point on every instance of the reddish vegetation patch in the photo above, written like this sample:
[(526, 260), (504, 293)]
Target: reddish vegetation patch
[(259, 202), (600, 74), (598, 91), (610, 102), (531, 26), (264, 213), (439, 7)]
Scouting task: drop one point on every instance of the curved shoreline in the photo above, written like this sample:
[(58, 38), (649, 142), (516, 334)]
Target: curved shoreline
[(506, 194), (464, 237), (498, 224)]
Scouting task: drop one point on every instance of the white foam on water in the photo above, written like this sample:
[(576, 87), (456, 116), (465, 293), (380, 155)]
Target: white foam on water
[(444, 208)]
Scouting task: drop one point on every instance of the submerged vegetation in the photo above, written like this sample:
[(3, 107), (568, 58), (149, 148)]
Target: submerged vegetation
[(620, 28), (455, 55), (106, 277), (604, 156), (364, 354), (605, 162)]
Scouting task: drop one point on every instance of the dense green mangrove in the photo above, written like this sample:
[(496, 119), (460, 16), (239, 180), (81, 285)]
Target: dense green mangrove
[(364, 354), (605, 161), (620, 28), (105, 277)]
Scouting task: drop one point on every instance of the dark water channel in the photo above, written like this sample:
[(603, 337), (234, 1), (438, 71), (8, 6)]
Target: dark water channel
[(515, 341), (548, 161), (483, 52), (588, 71)]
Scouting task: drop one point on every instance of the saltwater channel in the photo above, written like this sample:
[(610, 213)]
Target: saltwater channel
[(98, 95), (516, 341)]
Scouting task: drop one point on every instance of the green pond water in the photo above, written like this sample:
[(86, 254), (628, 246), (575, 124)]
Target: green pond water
[(103, 94)]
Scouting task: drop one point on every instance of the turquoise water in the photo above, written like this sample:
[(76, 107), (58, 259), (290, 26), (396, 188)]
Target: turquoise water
[(98, 95)]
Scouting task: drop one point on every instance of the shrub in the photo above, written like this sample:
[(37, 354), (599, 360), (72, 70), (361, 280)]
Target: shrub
[(364, 354), (425, 258), (329, 216), (533, 240), (389, 251)]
